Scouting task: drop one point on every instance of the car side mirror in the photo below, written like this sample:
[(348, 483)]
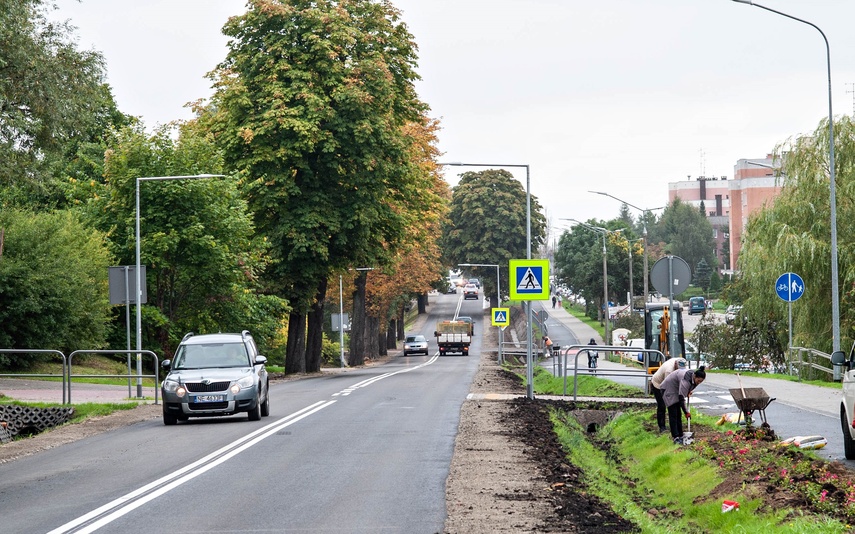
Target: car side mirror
[(435, 334), (838, 357), (166, 364), (260, 360)]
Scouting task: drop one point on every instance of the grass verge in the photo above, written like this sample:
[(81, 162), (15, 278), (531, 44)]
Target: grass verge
[(665, 488)]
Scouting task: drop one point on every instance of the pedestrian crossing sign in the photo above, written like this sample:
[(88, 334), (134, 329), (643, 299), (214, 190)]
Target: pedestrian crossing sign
[(529, 279), (501, 316)]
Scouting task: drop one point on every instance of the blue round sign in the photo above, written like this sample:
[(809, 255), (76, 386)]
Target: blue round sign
[(790, 287)]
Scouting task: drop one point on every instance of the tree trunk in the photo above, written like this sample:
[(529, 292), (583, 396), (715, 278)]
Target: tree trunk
[(422, 301), (401, 333), (315, 336), (359, 349), (295, 349), (372, 337), (392, 334)]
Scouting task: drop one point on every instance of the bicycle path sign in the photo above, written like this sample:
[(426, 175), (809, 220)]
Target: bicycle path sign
[(790, 287), (529, 279)]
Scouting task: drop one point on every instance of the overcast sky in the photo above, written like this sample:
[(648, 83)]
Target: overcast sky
[(622, 96)]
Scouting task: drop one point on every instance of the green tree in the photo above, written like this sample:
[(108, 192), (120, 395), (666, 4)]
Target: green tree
[(794, 235), (311, 106), (53, 100), (688, 234), (53, 284), (487, 222), (196, 237)]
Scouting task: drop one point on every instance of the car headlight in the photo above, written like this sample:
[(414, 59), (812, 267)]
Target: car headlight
[(171, 386), (243, 383)]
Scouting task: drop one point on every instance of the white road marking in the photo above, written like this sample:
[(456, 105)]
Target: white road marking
[(111, 511)]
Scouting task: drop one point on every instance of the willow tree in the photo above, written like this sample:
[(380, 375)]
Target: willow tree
[(794, 235), (310, 108)]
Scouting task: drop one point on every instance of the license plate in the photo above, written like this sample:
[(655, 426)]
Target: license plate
[(208, 398)]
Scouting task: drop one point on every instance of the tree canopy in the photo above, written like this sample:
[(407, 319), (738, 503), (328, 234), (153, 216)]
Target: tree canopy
[(311, 107), (487, 222), (53, 100), (53, 283), (794, 235)]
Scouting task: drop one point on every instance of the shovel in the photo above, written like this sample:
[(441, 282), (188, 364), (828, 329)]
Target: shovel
[(687, 436)]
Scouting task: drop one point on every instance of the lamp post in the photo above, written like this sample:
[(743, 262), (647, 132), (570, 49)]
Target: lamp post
[(529, 361), (643, 234), (835, 292), (629, 249), (603, 231), (137, 273)]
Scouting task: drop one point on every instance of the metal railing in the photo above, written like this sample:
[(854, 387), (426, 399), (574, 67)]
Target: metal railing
[(807, 364), (39, 375), (605, 372), (129, 375)]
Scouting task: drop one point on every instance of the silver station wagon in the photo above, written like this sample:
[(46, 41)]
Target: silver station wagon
[(214, 375)]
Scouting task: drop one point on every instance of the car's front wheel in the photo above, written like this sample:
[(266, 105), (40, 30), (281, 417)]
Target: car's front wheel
[(255, 413), (169, 419), (848, 442), (265, 406)]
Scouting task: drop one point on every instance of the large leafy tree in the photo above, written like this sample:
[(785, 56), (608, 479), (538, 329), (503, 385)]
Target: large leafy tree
[(311, 106), (196, 237), (53, 284), (53, 101), (794, 235), (579, 262), (688, 234), (487, 222)]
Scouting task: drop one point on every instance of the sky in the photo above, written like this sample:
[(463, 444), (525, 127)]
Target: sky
[(623, 96)]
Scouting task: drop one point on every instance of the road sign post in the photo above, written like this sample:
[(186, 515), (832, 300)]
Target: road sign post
[(501, 317), (790, 287), (529, 281)]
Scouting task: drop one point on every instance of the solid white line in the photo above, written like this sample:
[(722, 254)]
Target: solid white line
[(137, 498), (131, 501)]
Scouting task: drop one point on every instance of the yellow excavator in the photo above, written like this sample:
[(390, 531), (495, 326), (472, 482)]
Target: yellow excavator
[(657, 329)]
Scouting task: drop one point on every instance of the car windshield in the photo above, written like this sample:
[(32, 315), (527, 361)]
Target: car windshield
[(206, 355), (415, 339)]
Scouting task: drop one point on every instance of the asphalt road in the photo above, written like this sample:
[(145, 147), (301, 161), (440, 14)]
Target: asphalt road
[(366, 450)]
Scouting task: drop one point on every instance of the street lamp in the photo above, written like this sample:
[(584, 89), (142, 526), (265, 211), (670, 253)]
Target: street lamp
[(529, 362), (643, 234), (835, 293), (603, 231), (137, 273)]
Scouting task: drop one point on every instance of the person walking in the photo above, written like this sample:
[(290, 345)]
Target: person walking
[(656, 385), (675, 389), (592, 355), (554, 300)]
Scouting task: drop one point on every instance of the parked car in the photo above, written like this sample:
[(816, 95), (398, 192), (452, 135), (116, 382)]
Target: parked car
[(731, 312), (697, 305), (470, 292), (416, 344), (452, 289), (215, 375), (695, 358)]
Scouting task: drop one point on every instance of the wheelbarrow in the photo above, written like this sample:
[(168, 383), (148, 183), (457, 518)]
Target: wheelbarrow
[(750, 400)]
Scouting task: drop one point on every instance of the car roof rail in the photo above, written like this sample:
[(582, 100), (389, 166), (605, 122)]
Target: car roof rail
[(245, 334), (187, 335)]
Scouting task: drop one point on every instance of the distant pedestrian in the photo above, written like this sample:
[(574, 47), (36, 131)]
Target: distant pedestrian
[(592, 355), (676, 388), (560, 301), (547, 345), (554, 300), (656, 385)]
